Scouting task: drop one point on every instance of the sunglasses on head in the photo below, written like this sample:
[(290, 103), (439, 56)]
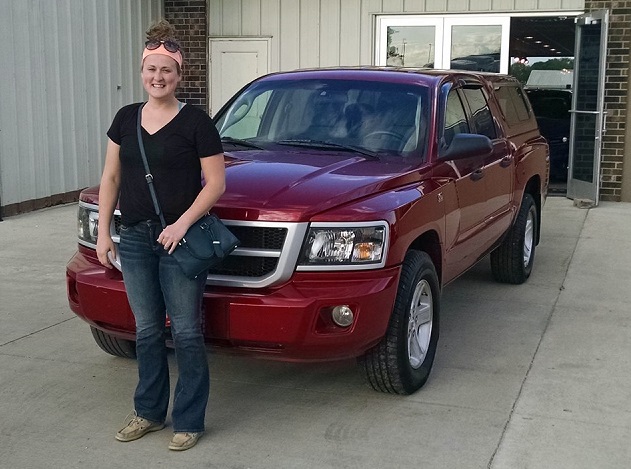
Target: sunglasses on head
[(170, 46)]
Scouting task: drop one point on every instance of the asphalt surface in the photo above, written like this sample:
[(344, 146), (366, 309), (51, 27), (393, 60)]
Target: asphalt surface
[(530, 376)]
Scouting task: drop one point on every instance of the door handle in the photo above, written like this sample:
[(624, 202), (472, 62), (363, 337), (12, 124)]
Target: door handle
[(506, 161), (476, 175)]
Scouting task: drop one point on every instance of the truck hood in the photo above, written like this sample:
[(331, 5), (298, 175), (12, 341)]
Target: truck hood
[(295, 185)]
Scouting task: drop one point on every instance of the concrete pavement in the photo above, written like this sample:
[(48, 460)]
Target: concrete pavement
[(530, 376)]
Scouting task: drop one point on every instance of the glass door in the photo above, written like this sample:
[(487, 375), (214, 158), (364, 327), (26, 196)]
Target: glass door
[(588, 116)]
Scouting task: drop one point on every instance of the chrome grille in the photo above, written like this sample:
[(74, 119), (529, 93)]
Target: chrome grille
[(250, 236), (266, 256)]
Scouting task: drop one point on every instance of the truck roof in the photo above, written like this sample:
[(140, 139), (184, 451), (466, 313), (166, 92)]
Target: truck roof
[(426, 76)]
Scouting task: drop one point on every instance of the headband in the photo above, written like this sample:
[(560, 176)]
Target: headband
[(177, 56)]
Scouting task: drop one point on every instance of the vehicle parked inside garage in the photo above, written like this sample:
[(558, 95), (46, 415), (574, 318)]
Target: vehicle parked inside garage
[(357, 194), (552, 111)]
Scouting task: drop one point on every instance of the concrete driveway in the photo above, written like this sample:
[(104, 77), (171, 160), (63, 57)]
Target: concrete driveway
[(530, 376)]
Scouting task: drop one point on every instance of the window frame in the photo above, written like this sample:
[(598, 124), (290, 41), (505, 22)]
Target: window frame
[(443, 34)]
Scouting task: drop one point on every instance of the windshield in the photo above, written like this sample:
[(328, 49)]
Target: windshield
[(373, 117)]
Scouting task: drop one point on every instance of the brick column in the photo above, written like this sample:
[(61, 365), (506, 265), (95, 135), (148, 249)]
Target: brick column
[(190, 21), (616, 93)]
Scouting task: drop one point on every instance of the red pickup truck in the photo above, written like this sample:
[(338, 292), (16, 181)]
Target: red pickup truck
[(357, 194)]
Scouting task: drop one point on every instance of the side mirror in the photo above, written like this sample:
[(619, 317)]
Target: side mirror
[(467, 146)]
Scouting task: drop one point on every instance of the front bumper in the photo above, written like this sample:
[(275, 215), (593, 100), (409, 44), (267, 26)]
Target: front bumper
[(290, 322)]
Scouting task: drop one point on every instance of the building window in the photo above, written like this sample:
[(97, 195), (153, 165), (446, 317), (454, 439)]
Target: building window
[(472, 42)]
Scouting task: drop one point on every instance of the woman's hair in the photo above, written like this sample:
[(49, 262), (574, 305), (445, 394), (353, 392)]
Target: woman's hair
[(162, 30)]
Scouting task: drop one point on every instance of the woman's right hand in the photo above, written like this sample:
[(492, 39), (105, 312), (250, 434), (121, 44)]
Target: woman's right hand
[(108, 195), (105, 246)]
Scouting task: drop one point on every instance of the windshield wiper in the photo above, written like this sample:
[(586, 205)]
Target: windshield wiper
[(243, 143), (326, 144)]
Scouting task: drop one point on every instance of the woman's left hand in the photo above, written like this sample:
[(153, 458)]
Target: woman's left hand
[(171, 236)]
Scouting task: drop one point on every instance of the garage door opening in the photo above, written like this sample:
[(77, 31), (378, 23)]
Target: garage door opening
[(542, 58)]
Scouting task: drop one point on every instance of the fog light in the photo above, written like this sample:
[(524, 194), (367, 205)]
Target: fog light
[(342, 315)]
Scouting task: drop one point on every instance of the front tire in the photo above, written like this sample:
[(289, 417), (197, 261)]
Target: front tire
[(402, 361), (512, 261), (113, 345)]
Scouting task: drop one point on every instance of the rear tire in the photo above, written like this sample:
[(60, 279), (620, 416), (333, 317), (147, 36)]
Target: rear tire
[(114, 345), (402, 361), (512, 261)]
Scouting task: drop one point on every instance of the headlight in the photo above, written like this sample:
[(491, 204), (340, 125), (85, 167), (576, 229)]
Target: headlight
[(87, 225), (360, 245)]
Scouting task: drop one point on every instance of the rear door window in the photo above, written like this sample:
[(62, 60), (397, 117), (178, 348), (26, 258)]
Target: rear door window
[(513, 104)]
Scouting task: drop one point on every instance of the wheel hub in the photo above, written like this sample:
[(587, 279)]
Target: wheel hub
[(420, 323), (529, 238)]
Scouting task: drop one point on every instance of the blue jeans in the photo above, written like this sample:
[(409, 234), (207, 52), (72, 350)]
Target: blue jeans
[(156, 285)]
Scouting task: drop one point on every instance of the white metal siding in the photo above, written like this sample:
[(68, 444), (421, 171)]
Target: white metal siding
[(69, 65), (320, 33)]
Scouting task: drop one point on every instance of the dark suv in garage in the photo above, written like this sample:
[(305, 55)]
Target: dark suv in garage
[(552, 110)]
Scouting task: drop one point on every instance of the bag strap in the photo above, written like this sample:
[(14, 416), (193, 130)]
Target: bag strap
[(148, 176)]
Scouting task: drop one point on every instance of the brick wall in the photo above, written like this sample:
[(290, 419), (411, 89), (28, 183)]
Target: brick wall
[(616, 88), (189, 19)]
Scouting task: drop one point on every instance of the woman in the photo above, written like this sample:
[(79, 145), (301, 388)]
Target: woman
[(180, 141)]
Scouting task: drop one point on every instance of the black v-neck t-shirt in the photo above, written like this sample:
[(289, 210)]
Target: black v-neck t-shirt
[(173, 153)]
